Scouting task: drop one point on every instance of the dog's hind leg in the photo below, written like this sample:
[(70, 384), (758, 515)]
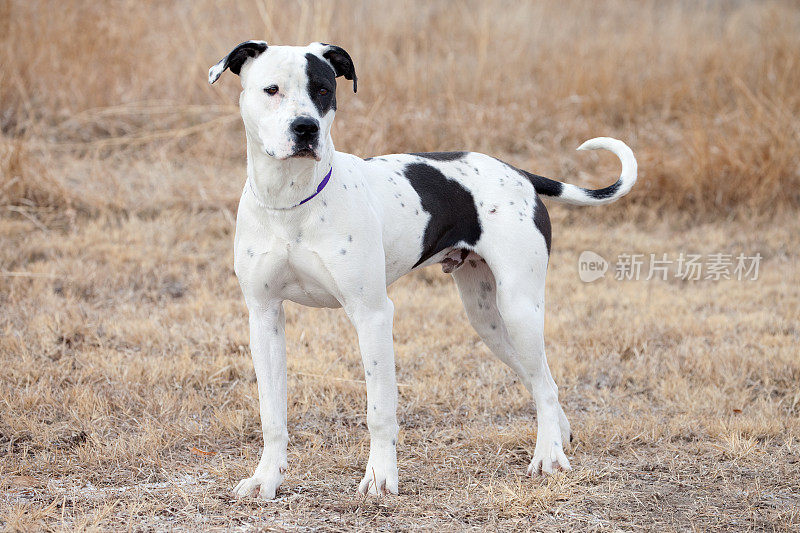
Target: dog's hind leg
[(510, 320)]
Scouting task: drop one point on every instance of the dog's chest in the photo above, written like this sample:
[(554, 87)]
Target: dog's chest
[(280, 266)]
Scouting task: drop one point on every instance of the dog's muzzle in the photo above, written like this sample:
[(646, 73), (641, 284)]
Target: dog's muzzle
[(306, 137)]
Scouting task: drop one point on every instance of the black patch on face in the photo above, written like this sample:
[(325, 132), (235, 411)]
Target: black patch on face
[(454, 218), (441, 156), (321, 76), (542, 221)]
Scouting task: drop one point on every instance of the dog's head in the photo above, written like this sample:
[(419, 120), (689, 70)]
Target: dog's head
[(288, 97)]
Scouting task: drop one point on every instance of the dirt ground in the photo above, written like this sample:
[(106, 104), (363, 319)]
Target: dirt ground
[(129, 398)]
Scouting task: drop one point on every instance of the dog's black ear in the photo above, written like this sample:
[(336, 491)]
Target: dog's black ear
[(236, 58), (341, 63)]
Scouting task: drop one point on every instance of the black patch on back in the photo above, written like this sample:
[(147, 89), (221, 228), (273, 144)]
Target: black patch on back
[(605, 192), (454, 217), (321, 76), (542, 221), (440, 156)]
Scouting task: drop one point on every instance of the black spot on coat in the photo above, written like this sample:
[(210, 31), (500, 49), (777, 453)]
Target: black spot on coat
[(440, 156), (454, 218), (542, 221)]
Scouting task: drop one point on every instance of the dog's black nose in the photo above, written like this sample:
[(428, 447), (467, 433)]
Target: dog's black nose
[(305, 128)]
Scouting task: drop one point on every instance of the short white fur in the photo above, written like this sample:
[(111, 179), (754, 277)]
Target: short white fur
[(361, 233)]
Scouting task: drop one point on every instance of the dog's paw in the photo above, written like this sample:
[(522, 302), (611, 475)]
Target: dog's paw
[(379, 481), (548, 457), (261, 485)]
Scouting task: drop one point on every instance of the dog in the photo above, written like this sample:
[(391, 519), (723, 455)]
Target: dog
[(328, 229)]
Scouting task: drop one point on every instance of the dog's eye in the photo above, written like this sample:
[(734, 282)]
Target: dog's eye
[(271, 90), (323, 91)]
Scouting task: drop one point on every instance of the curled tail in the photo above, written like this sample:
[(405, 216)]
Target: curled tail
[(572, 194)]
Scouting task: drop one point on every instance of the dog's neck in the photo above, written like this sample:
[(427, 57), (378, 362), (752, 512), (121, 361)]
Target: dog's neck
[(283, 184)]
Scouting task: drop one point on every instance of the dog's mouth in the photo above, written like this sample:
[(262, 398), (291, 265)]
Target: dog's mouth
[(305, 152)]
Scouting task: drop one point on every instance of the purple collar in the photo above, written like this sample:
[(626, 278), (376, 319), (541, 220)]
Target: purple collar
[(321, 186)]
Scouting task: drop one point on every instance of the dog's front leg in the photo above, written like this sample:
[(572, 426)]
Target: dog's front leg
[(268, 348), (374, 327)]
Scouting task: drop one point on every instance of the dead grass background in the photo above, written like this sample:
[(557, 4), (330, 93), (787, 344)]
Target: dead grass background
[(126, 386)]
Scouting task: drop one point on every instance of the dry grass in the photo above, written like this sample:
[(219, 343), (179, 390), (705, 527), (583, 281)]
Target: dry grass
[(127, 392), (129, 395)]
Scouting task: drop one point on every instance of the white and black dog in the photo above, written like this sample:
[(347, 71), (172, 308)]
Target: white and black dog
[(328, 229)]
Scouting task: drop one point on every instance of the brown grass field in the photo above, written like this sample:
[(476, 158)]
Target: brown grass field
[(127, 395)]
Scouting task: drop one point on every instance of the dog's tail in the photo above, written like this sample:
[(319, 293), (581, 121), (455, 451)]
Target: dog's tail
[(572, 194)]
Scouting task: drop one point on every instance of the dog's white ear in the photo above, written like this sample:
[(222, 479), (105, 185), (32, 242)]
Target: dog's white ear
[(341, 63), (237, 58)]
